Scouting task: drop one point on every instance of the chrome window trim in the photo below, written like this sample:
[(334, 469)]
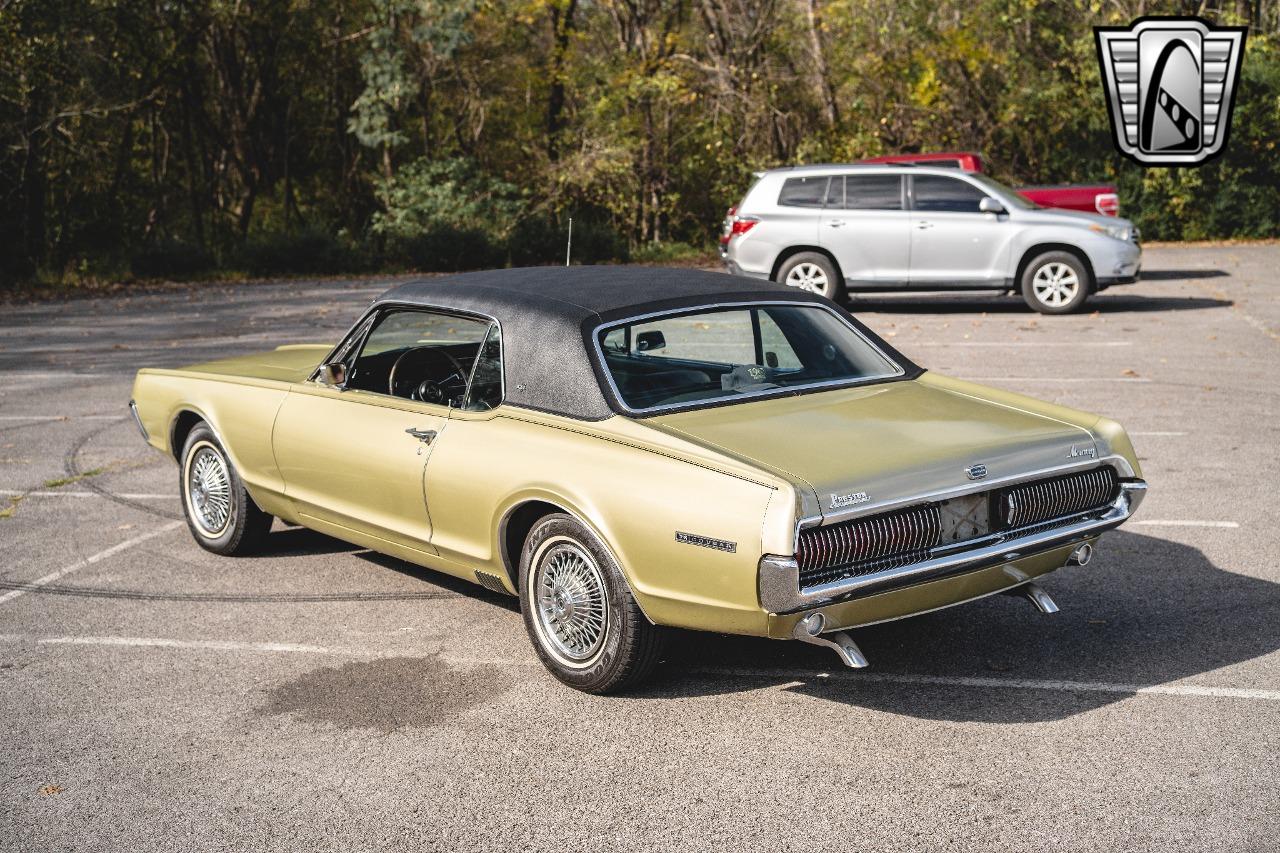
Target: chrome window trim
[(719, 401), (779, 577), (350, 338)]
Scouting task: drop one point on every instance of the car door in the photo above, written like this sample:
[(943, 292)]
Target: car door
[(356, 455), (865, 225), (952, 241)]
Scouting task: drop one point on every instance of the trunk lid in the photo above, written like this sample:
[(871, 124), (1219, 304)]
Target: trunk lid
[(889, 442)]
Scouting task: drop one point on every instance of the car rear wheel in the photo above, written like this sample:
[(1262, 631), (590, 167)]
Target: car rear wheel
[(578, 609), (814, 273), (1056, 283), (220, 513)]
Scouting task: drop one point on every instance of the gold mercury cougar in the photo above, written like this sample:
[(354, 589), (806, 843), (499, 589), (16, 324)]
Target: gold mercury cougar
[(630, 449)]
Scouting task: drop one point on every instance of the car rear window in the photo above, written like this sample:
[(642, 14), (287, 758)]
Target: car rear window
[(720, 355), (803, 192)]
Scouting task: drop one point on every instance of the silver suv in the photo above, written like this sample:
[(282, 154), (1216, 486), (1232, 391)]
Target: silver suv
[(835, 229)]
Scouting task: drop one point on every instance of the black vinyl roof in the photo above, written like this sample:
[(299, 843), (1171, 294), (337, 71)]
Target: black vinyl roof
[(549, 314)]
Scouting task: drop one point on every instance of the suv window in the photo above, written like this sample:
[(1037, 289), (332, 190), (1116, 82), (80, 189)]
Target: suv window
[(872, 192), (949, 195), (803, 192)]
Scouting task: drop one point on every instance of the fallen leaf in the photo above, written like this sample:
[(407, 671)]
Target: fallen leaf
[(47, 790), (1128, 371)]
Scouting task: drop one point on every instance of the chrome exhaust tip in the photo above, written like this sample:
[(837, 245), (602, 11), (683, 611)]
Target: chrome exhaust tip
[(1081, 555), (809, 629), (1039, 598)]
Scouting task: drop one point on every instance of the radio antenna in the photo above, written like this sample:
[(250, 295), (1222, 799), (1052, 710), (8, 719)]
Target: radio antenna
[(568, 246)]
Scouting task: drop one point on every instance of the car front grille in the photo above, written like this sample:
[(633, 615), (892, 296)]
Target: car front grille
[(901, 537)]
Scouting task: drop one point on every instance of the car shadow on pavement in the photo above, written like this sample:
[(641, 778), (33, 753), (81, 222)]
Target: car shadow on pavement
[(1177, 275), (1109, 302), (302, 542), (1145, 612)]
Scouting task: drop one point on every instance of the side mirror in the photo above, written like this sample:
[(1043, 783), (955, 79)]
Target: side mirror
[(334, 374), (990, 205), (646, 341)]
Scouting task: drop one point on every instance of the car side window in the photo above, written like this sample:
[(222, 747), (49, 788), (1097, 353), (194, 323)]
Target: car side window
[(693, 339), (425, 356), (835, 192), (485, 391), (872, 192), (945, 195), (775, 347), (808, 191)]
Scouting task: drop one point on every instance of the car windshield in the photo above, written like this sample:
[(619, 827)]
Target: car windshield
[(1005, 193), (722, 354)]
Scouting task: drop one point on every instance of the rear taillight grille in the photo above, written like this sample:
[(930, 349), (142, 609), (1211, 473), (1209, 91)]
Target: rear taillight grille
[(1032, 503), (868, 544), (889, 540)]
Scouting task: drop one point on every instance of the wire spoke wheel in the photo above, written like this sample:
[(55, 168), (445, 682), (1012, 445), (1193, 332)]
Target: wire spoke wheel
[(1055, 284), (571, 602), (809, 277), (209, 490)]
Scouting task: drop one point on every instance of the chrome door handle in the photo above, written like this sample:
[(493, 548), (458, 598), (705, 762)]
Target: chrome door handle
[(426, 436), (836, 223), (924, 225)]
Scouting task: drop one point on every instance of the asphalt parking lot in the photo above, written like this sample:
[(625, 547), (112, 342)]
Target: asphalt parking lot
[(319, 697)]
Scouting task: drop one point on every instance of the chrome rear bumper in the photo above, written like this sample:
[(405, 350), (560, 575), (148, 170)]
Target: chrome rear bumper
[(779, 577)]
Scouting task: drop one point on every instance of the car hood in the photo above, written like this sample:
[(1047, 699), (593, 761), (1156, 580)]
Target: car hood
[(288, 363), (891, 442), (1058, 216)]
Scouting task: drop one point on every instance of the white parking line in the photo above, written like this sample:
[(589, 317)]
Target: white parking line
[(1194, 691), (139, 496), (1162, 522), (1004, 344), (213, 645), (90, 560), (1089, 379), (120, 416)]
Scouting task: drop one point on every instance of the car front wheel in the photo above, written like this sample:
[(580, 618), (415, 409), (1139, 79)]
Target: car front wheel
[(813, 273), (1056, 283), (578, 609), (220, 513)]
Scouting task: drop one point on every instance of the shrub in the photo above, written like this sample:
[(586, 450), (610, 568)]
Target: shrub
[(447, 248), (171, 259), (310, 251), (674, 252), (542, 241), (430, 194)]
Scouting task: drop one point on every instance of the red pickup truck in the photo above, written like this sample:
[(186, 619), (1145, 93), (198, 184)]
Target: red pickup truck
[(1099, 198)]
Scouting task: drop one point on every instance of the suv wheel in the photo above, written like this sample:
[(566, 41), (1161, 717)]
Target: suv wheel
[(578, 609), (1056, 283), (814, 273)]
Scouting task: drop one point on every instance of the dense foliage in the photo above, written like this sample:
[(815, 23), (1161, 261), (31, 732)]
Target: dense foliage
[(171, 137)]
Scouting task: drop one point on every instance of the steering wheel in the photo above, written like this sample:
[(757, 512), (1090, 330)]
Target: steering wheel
[(431, 361)]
